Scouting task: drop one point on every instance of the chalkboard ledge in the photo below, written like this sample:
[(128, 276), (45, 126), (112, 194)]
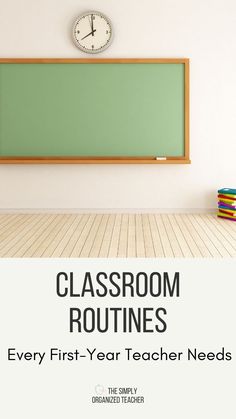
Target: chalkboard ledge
[(92, 160)]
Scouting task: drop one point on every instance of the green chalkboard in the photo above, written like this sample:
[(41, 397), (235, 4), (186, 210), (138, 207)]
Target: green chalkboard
[(93, 109)]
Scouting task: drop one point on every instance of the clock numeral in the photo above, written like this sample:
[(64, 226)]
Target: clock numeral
[(78, 31), (92, 46)]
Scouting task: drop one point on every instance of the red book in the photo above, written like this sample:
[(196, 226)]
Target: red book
[(228, 212), (231, 198), (226, 217)]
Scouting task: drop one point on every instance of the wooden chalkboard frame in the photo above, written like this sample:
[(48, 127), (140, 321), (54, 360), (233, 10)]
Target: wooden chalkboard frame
[(111, 159)]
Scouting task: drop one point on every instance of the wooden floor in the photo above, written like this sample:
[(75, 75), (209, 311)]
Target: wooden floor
[(116, 235)]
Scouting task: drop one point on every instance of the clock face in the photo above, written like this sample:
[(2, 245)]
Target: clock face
[(92, 32)]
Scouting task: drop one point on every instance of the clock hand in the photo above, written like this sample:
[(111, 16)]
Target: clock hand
[(92, 25), (90, 33), (90, 22)]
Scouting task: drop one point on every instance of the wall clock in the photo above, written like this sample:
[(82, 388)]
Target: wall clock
[(92, 32)]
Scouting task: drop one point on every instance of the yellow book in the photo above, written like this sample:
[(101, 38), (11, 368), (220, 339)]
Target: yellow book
[(229, 217)]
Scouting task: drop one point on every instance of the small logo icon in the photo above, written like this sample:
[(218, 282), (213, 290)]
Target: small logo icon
[(99, 389)]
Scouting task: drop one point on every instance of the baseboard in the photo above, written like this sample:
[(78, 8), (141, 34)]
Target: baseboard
[(106, 210)]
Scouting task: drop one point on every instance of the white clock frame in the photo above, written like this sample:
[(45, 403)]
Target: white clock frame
[(77, 43)]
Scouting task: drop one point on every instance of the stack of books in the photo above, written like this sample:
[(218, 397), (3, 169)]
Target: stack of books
[(227, 203)]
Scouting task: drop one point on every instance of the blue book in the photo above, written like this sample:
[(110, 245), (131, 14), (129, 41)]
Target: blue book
[(229, 191), (226, 206)]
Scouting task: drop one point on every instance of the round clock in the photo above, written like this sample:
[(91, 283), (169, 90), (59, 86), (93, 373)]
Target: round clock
[(92, 32)]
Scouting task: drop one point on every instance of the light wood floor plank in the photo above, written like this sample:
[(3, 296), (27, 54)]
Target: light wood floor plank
[(148, 241), (168, 252), (140, 237), (67, 238), (15, 246), (99, 237), (123, 241), (12, 227), (84, 237), (113, 250), (201, 231), (71, 244), (14, 230), (5, 220), (180, 237), (187, 235), (59, 236), (157, 244), (53, 231), (31, 240), (131, 249), (187, 219), (42, 242), (105, 245), (89, 242), (211, 237), (172, 236)]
